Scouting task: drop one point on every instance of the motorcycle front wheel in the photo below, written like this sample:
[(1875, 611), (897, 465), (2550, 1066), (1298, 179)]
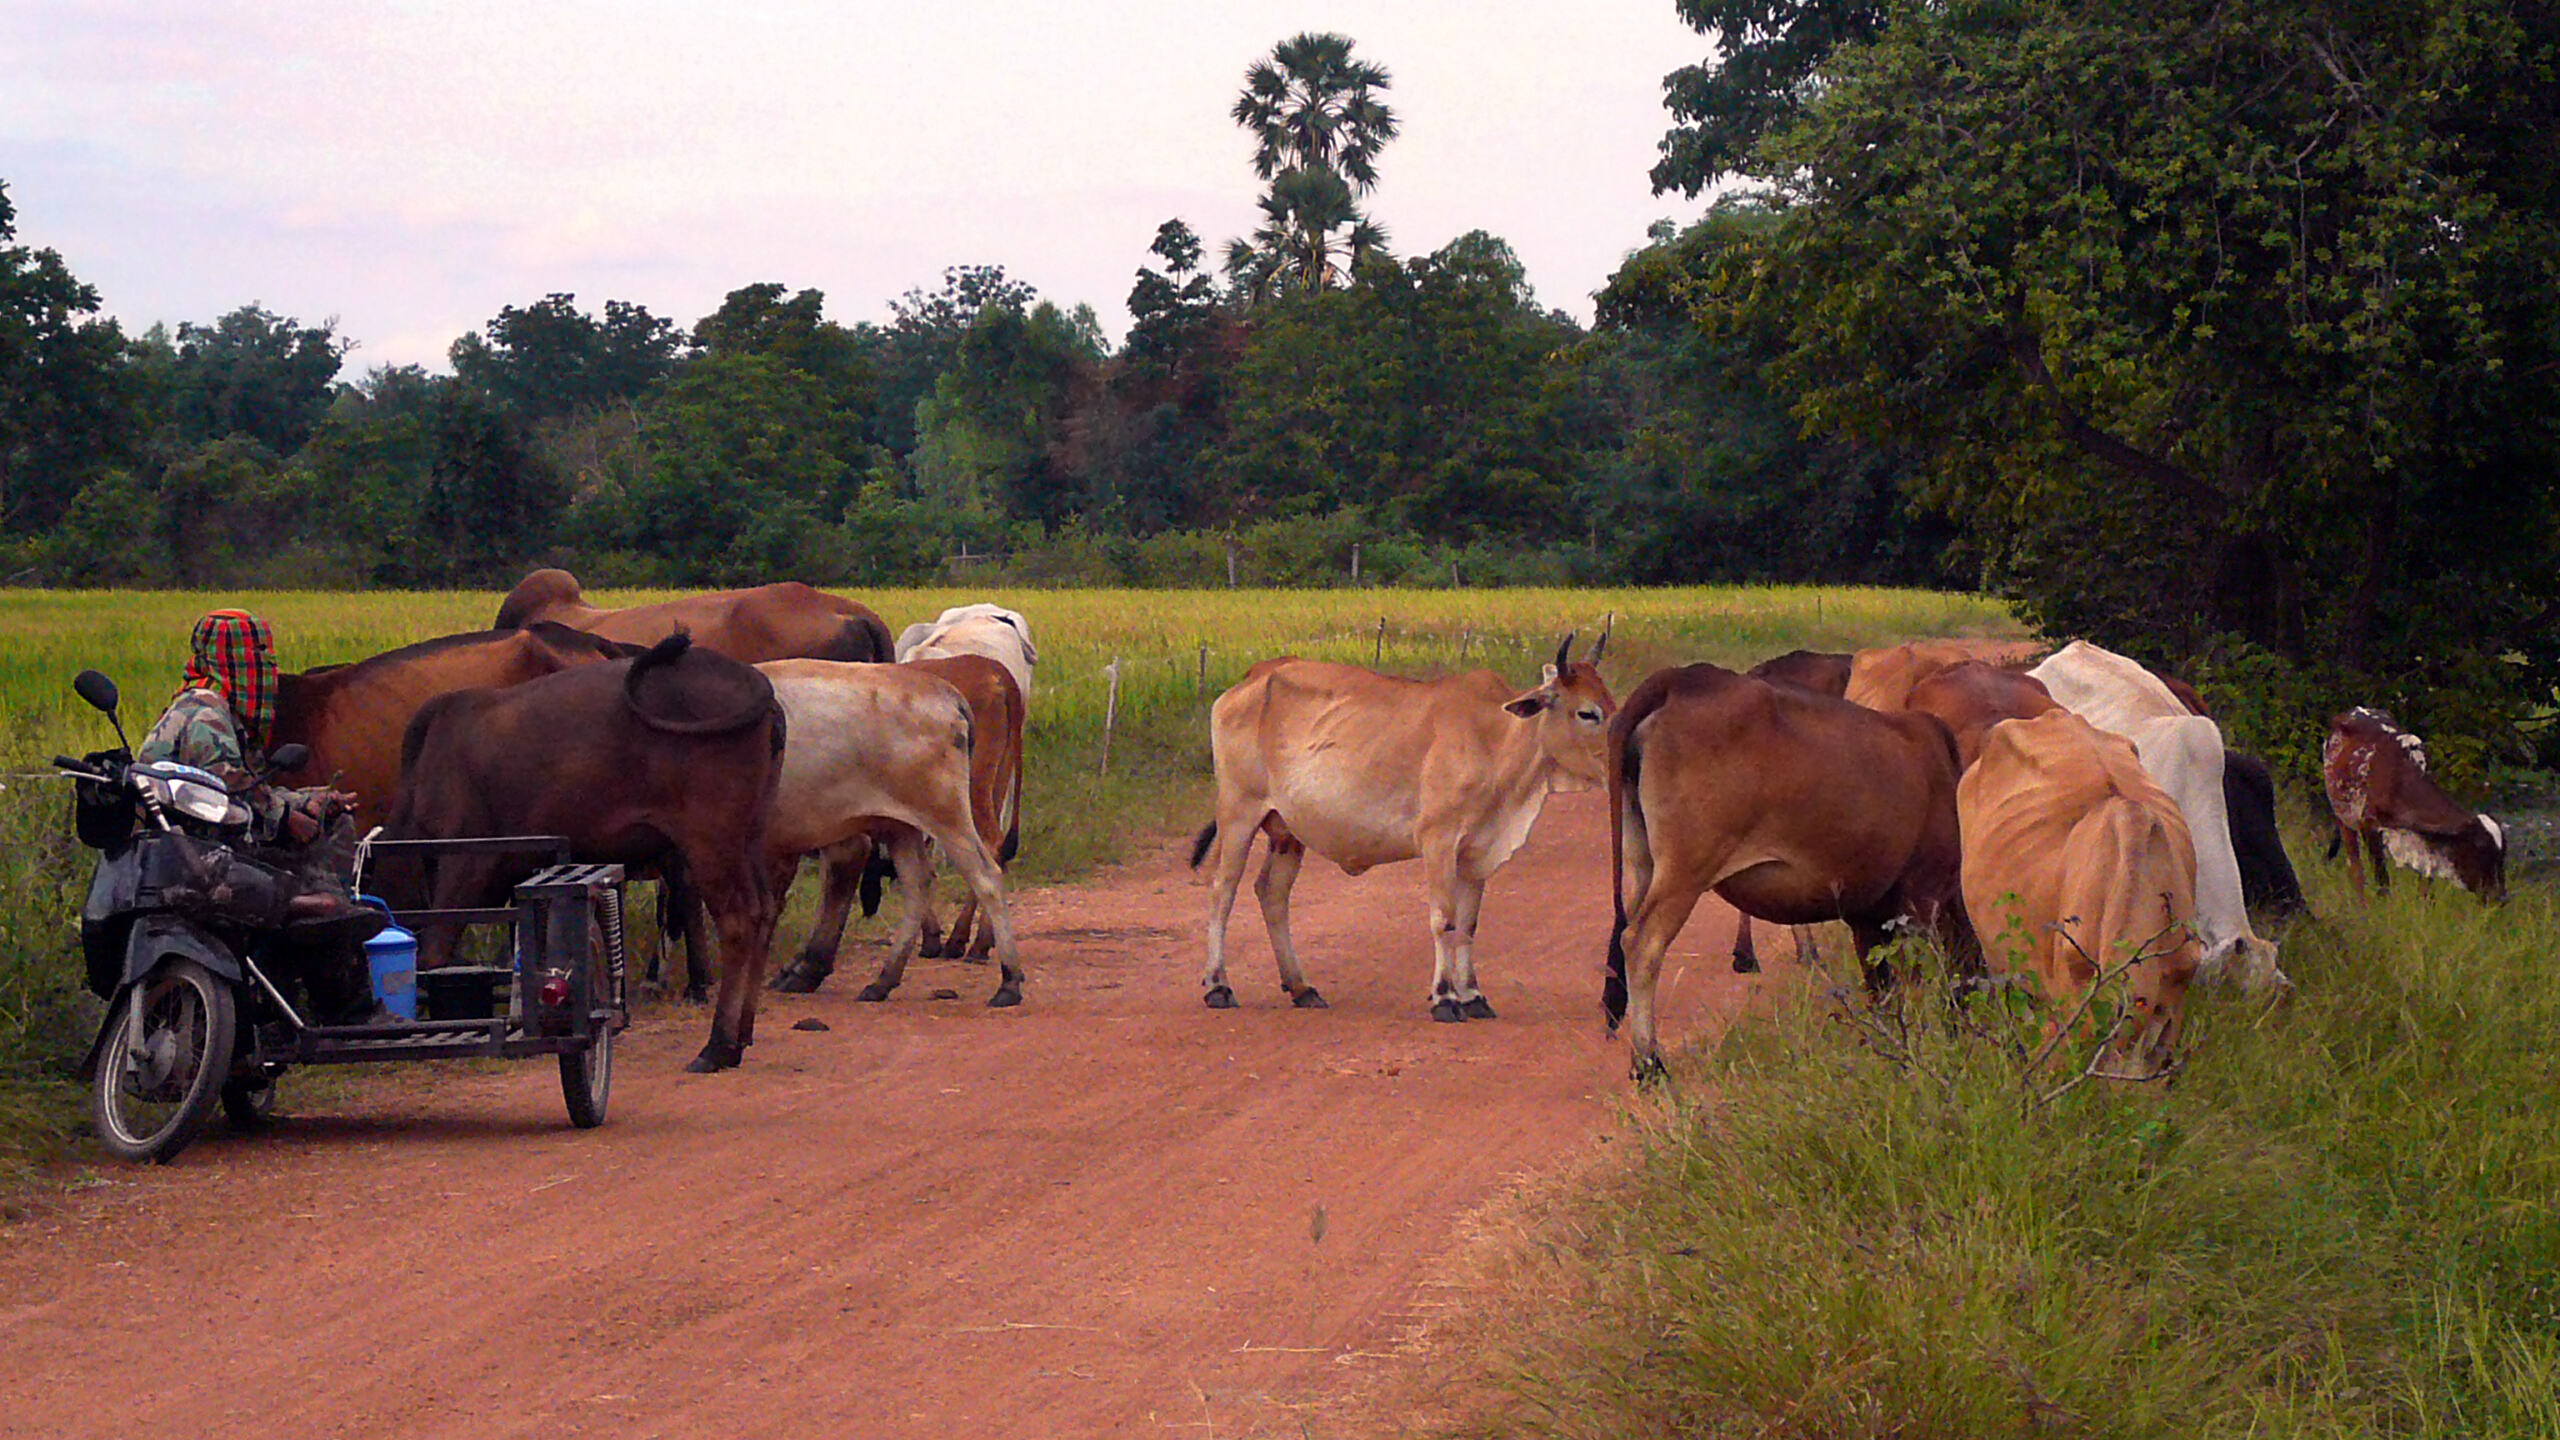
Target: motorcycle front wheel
[(155, 1089)]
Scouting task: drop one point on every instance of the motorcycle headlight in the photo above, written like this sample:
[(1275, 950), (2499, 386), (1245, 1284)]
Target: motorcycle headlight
[(208, 803)]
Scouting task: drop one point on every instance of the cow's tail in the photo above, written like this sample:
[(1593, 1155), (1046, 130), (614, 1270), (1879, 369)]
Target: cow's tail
[(1626, 760), (1013, 812), (2335, 835), (1201, 842)]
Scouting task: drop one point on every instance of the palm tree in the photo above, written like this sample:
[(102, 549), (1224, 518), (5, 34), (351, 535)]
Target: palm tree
[(1318, 126), (1311, 106)]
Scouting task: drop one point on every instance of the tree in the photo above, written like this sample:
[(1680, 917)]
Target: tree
[(1318, 126), (1421, 394), (2209, 321), (1767, 54), (67, 402), (252, 373), (551, 359), (926, 334)]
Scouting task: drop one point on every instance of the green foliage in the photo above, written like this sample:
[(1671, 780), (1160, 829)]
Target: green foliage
[(67, 406), (1767, 55), (1420, 391), (551, 358), (251, 374), (2335, 1222), (1318, 125), (2206, 321)]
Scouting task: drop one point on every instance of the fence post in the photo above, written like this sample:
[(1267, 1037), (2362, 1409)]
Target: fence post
[(1110, 711), (1378, 649), (1201, 688), (1355, 562)]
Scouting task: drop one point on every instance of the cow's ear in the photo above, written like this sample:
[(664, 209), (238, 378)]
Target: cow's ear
[(1530, 704), (1549, 677)]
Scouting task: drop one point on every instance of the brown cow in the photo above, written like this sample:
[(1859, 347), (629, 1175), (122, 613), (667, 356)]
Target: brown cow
[(673, 753), (2077, 862), (1973, 697), (770, 622), (1366, 769), (1793, 807), (352, 716), (2380, 795), (1824, 672), (1881, 678)]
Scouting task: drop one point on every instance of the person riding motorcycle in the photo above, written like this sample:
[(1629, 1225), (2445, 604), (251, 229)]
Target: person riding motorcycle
[(218, 722)]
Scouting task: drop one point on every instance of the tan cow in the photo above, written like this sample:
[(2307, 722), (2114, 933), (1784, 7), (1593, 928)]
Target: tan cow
[(878, 755), (2076, 859), (1793, 807), (1881, 678), (1365, 769)]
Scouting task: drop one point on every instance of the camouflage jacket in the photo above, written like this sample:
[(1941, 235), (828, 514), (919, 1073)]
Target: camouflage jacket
[(199, 729)]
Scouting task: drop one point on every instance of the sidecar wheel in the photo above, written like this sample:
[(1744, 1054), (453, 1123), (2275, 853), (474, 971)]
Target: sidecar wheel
[(153, 1092)]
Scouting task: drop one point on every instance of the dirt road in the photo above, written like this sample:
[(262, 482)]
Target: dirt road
[(1091, 1216)]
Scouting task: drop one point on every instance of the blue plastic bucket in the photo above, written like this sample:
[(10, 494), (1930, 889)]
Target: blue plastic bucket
[(393, 957)]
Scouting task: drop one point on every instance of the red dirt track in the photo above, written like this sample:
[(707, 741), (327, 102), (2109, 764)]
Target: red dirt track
[(1089, 1216)]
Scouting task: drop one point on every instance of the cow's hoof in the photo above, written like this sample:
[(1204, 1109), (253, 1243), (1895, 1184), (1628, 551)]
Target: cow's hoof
[(874, 993), (792, 981), (698, 994), (1478, 1009), (1005, 997), (1650, 1071), (1746, 964), (716, 1057), (1219, 997), (1447, 1012), (1308, 999)]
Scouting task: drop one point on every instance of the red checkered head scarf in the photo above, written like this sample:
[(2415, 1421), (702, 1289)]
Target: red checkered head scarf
[(236, 655)]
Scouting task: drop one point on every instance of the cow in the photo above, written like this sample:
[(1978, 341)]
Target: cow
[(672, 754), (995, 787), (1824, 672), (1881, 678), (1001, 635), (1970, 697), (879, 758), (1792, 807), (2183, 751), (352, 717), (2267, 882), (1975, 696), (1365, 769), (2077, 864), (770, 622), (2385, 803)]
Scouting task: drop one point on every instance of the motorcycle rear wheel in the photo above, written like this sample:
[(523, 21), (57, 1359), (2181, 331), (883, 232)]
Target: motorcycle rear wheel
[(154, 1091)]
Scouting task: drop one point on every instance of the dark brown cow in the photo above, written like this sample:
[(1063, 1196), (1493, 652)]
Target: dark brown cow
[(1824, 672), (788, 621), (352, 716), (1973, 697), (2376, 776), (1881, 678), (1793, 807), (674, 754)]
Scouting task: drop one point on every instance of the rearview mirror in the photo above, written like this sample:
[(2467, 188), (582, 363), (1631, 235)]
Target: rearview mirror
[(97, 689), (289, 757)]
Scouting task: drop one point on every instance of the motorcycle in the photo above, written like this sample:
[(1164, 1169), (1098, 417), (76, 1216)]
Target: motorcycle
[(184, 933)]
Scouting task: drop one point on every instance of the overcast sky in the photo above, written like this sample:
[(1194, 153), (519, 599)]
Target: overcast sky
[(411, 168)]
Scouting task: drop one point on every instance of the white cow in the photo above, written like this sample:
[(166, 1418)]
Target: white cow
[(2183, 751), (1001, 635)]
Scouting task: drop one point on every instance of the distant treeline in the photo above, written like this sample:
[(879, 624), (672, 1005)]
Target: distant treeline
[(1428, 418)]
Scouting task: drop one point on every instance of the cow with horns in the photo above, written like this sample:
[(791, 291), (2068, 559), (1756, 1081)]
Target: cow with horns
[(1364, 769)]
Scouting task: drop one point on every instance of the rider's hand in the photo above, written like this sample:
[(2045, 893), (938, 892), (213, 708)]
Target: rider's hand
[(330, 804), (300, 826)]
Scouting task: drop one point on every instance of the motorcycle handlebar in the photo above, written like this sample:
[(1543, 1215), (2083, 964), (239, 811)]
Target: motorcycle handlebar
[(80, 768)]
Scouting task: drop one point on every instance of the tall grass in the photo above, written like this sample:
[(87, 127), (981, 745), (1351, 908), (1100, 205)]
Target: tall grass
[(2339, 1220), (1174, 651)]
